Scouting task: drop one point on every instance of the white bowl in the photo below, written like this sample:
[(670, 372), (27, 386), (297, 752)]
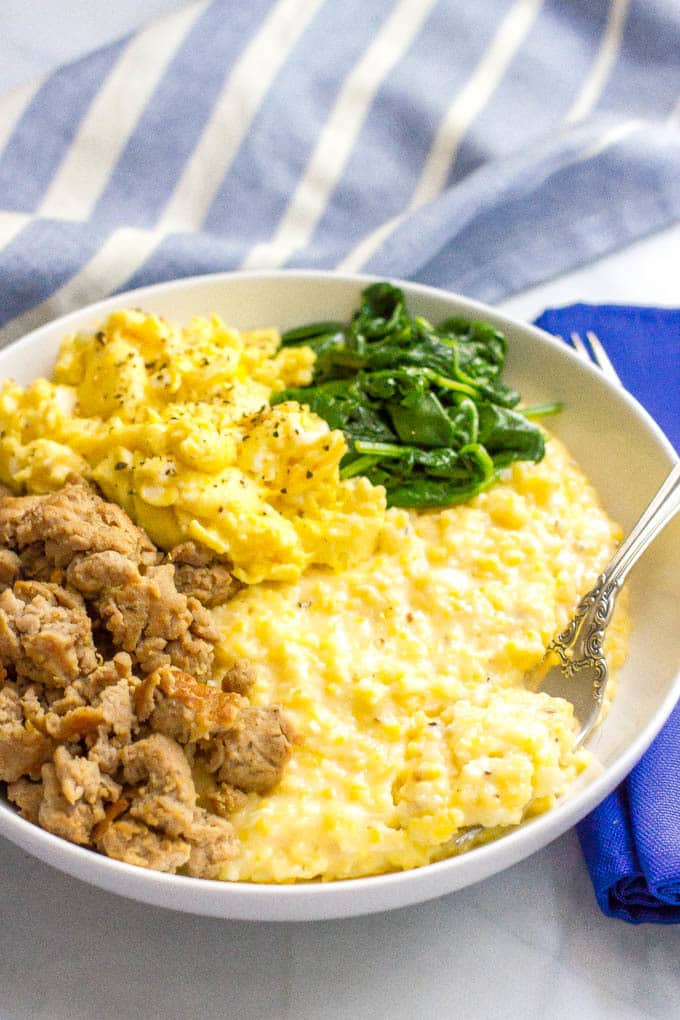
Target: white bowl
[(616, 443)]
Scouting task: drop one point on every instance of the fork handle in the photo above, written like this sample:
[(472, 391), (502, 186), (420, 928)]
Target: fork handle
[(660, 512)]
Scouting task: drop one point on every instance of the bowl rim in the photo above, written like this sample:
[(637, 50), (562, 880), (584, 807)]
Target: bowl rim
[(315, 900)]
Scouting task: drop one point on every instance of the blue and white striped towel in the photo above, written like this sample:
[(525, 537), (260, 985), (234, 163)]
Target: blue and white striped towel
[(480, 146)]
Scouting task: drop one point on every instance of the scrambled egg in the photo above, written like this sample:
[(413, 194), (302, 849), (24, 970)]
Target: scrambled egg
[(404, 677), (174, 425), (396, 641)]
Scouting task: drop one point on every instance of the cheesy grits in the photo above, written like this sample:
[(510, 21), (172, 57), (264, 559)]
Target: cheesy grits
[(396, 641), (404, 676)]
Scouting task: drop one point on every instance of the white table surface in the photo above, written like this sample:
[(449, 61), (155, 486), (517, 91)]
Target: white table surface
[(529, 943)]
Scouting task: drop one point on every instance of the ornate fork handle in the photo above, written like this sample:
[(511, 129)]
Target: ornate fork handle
[(579, 646)]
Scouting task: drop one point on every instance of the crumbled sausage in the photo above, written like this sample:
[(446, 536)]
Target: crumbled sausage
[(100, 702), (28, 797), (251, 754), (74, 795), (175, 704), (164, 824), (224, 799), (45, 633), (23, 749), (105, 750), (204, 574), (34, 563), (71, 521), (212, 845), (239, 678), (80, 779), (133, 842), (144, 613), (99, 748), (166, 795), (10, 568), (193, 651)]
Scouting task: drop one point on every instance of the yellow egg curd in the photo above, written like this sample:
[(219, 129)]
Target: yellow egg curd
[(174, 425)]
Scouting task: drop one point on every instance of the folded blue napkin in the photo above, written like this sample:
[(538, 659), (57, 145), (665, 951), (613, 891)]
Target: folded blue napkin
[(631, 841), (643, 344)]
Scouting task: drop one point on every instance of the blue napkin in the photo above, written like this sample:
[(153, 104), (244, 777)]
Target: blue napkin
[(631, 841), (643, 344)]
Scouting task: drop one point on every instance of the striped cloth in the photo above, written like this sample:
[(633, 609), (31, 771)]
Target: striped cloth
[(479, 146)]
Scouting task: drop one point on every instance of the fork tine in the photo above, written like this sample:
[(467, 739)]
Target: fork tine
[(595, 353), (602, 358), (580, 348)]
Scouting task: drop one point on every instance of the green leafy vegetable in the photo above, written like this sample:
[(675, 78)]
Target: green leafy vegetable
[(423, 408)]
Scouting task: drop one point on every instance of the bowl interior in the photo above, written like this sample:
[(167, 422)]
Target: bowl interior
[(619, 448)]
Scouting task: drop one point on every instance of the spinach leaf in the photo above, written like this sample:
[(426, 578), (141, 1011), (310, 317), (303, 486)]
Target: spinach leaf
[(423, 408), (508, 435)]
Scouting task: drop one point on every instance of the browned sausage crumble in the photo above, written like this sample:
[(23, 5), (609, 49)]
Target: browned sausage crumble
[(107, 727)]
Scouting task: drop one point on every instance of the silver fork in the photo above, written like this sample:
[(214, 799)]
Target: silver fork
[(575, 666), (595, 352)]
